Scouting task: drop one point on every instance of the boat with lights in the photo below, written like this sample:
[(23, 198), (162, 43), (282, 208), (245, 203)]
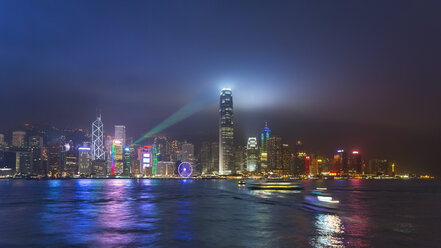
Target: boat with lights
[(276, 185)]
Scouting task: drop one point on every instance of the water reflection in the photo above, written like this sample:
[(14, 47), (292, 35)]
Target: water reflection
[(329, 231)]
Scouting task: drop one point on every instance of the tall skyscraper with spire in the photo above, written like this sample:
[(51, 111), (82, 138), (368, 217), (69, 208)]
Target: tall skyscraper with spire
[(264, 136), (226, 133), (97, 139)]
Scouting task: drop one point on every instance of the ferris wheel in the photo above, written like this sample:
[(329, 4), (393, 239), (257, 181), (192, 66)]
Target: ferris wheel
[(185, 169)]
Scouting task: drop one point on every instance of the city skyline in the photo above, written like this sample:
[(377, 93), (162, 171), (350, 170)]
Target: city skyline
[(366, 84)]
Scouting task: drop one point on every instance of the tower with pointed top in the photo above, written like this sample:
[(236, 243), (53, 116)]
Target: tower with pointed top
[(264, 136), (97, 139), (226, 133)]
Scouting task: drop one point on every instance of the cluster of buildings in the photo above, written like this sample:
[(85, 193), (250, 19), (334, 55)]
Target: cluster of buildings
[(39, 152)]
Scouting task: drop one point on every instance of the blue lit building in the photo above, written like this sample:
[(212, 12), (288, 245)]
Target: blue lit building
[(226, 133)]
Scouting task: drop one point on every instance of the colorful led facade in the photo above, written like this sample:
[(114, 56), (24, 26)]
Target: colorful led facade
[(147, 156)]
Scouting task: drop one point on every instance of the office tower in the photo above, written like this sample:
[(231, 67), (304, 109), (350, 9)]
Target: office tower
[(2, 139), (226, 133), (205, 157), (274, 150), (38, 165), (299, 159), (252, 154), (18, 138), (54, 160), (355, 163), (97, 140), (120, 134), (127, 161), (286, 159), (23, 162), (134, 162), (341, 162), (165, 168), (264, 136), (117, 158), (240, 159), (175, 150), (70, 163), (162, 147), (99, 168), (187, 153), (84, 161)]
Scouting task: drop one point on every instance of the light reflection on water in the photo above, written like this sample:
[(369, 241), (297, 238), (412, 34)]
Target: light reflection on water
[(212, 213), (329, 231)]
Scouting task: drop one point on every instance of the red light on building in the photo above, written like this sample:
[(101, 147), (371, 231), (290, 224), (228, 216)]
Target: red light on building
[(332, 174), (355, 152), (308, 157)]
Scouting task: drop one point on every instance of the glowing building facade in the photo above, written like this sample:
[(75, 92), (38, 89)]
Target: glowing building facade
[(264, 136), (84, 161), (117, 158), (97, 139), (120, 134), (148, 160), (252, 154), (226, 133)]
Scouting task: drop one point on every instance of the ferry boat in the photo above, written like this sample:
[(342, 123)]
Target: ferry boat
[(276, 185)]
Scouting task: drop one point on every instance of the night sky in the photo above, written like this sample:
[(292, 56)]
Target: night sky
[(354, 74)]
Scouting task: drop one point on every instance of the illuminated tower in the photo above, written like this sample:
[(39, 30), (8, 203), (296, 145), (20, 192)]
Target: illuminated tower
[(226, 133), (264, 136), (97, 139), (252, 154), (120, 134), (18, 138)]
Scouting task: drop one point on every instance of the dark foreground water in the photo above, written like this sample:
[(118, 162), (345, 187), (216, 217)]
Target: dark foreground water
[(217, 213)]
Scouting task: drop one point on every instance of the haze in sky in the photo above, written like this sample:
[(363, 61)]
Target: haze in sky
[(354, 74)]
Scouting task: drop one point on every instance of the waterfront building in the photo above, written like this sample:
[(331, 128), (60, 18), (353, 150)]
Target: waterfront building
[(341, 162), (226, 133), (54, 160), (70, 163), (299, 159), (165, 168), (18, 138), (355, 163), (148, 160), (274, 150), (117, 158), (240, 159), (126, 161), (286, 159), (99, 168), (120, 134), (252, 154), (38, 163), (205, 156), (84, 161), (264, 136), (214, 161), (162, 147), (187, 153), (97, 140)]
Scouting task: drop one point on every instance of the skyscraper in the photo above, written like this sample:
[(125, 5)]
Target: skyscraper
[(84, 161), (187, 153), (18, 138), (264, 136), (97, 139), (226, 133), (120, 134), (274, 150), (252, 154)]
